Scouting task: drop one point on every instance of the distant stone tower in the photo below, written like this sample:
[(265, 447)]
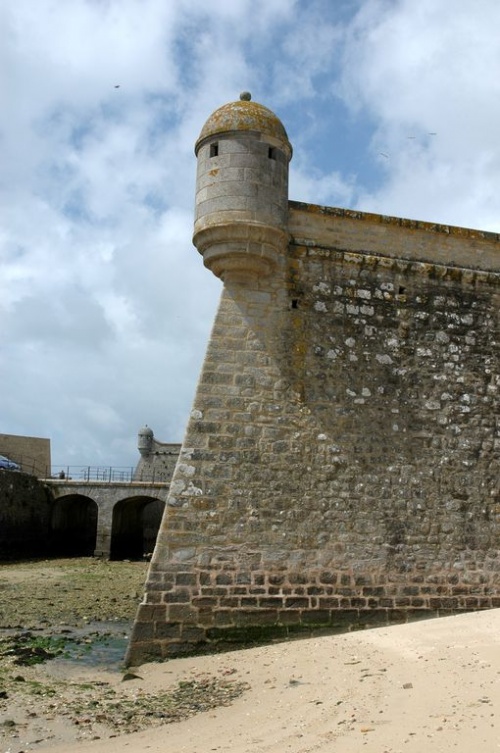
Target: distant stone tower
[(242, 191), (157, 459), (145, 439)]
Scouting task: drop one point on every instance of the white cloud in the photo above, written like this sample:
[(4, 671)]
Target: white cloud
[(429, 78), (105, 306)]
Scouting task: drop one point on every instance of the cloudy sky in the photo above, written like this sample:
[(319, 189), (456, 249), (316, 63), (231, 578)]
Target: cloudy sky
[(392, 106)]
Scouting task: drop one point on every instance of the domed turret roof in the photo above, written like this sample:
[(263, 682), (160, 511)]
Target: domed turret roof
[(244, 115), (146, 431)]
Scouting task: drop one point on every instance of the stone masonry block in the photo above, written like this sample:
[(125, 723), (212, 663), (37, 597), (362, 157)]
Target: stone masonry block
[(224, 618), (289, 616), (144, 631), (170, 630), (293, 602), (151, 613), (315, 616), (185, 579), (264, 617), (181, 613), (180, 596), (193, 634)]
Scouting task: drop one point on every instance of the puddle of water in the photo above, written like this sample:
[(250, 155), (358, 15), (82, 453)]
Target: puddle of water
[(106, 652), (100, 645)]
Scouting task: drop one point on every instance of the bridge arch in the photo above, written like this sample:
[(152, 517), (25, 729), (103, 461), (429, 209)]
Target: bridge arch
[(129, 513), (73, 526), (134, 526)]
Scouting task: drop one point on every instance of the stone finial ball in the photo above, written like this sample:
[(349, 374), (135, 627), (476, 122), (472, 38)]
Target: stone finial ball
[(245, 96)]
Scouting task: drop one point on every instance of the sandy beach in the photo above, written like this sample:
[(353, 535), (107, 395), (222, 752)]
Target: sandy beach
[(432, 685)]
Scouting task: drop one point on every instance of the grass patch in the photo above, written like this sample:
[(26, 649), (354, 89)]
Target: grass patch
[(27, 649)]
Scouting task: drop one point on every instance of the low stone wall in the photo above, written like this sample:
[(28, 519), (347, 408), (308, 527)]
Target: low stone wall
[(25, 509)]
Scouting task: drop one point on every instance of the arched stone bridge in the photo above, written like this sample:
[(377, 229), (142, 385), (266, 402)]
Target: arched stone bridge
[(109, 519)]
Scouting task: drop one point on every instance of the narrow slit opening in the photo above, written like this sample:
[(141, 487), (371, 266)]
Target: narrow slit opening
[(214, 149)]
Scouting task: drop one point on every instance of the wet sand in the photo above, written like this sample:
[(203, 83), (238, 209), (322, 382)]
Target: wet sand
[(432, 685)]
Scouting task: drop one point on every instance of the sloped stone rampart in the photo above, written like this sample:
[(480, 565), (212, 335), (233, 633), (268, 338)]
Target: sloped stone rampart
[(342, 457)]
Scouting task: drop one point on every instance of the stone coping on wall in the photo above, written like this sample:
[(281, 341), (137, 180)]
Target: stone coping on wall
[(71, 483), (395, 237)]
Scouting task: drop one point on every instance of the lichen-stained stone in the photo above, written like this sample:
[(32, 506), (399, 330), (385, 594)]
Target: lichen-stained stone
[(341, 462)]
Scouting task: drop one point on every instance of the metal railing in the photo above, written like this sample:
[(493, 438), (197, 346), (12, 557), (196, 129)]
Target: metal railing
[(87, 473), (107, 474)]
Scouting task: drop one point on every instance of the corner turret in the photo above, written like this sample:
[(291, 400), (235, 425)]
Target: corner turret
[(145, 441), (241, 215)]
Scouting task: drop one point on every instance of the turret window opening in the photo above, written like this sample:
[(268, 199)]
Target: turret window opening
[(271, 152), (214, 149)]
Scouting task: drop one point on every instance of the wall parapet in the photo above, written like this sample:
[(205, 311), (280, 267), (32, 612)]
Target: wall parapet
[(362, 232)]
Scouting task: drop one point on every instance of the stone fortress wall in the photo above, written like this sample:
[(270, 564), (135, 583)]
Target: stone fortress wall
[(341, 462)]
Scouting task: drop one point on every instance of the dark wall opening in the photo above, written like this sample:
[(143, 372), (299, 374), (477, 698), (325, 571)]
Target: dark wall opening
[(135, 527), (73, 527)]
